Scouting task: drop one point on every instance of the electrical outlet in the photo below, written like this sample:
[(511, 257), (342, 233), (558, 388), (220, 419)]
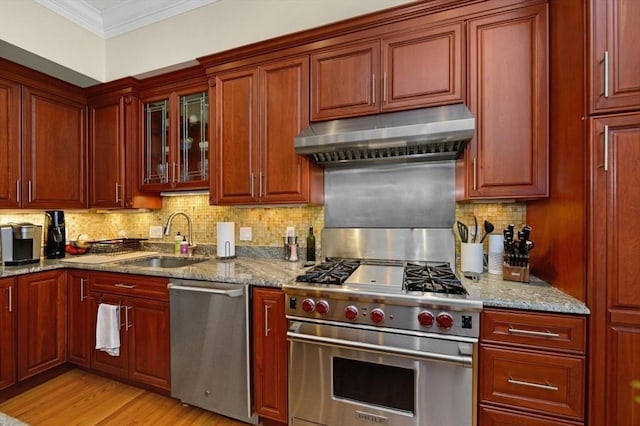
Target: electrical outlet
[(291, 231), (245, 233), (155, 232)]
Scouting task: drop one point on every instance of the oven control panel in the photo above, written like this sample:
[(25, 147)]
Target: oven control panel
[(432, 319)]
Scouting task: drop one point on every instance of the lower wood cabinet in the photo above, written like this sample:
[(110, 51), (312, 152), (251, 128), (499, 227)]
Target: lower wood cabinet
[(270, 361), (42, 322), (534, 364), (144, 328), (7, 332)]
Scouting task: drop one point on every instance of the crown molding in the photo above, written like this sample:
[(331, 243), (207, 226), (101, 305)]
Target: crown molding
[(78, 12)]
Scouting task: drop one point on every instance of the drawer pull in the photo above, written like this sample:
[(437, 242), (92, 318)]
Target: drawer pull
[(123, 285), (546, 386), (533, 333)]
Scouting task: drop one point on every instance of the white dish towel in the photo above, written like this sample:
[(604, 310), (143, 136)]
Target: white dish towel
[(108, 329)]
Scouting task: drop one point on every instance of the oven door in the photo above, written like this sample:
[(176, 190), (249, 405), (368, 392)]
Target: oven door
[(342, 376)]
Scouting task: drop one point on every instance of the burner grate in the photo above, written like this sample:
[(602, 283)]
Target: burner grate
[(332, 271), (433, 278)]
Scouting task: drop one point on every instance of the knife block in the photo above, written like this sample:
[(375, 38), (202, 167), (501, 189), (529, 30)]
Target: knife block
[(515, 273)]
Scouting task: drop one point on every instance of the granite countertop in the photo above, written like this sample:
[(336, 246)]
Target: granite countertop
[(494, 292)]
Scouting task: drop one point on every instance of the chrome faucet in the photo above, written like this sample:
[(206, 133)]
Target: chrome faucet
[(167, 227)]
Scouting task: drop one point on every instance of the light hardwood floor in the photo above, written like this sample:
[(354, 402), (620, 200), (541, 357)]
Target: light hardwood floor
[(80, 398)]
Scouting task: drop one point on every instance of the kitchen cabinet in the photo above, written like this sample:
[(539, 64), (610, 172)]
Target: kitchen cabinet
[(270, 354), (9, 144), (508, 96), (615, 56), (614, 299), (42, 322), (115, 148), (176, 132), (7, 332), (259, 111), (144, 328), (532, 364), (412, 69), (78, 335)]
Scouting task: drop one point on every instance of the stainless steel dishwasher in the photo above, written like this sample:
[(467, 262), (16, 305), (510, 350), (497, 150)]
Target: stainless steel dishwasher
[(210, 347)]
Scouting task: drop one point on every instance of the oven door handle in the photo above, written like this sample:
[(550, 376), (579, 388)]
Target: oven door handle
[(463, 361)]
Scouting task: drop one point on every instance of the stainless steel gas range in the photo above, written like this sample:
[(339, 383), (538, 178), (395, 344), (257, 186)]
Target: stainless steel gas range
[(383, 332)]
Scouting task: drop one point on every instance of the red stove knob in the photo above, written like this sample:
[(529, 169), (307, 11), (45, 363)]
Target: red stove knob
[(444, 320), (308, 305), (322, 307), (351, 312), (377, 315), (425, 318)]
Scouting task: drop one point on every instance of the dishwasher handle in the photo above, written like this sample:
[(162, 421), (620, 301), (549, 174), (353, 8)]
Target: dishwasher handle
[(236, 292)]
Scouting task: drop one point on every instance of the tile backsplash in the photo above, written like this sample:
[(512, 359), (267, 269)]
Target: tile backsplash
[(268, 224)]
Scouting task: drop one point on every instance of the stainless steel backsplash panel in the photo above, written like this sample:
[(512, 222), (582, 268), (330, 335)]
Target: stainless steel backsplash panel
[(390, 244), (416, 195)]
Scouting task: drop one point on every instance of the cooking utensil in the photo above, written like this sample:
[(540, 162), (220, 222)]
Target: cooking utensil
[(488, 228), (463, 230), (475, 228)]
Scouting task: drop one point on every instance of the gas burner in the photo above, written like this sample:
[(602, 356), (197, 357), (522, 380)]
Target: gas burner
[(332, 271), (432, 278)]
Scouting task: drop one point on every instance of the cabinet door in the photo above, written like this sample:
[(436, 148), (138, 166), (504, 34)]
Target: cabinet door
[(78, 324), (623, 371), (147, 330), (508, 88), (270, 354), (55, 151), (106, 157), (284, 112), (345, 81), (423, 68), (615, 55), (237, 137), (42, 322), (7, 332), (100, 360), (10, 184)]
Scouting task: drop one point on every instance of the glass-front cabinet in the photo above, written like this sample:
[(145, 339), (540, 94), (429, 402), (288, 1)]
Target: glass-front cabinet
[(176, 145)]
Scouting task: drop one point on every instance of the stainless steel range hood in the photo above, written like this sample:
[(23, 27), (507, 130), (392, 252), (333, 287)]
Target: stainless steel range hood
[(427, 134)]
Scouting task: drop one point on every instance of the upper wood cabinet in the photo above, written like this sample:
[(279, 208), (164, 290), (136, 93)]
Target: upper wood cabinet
[(508, 96), (7, 332), (615, 55), (414, 69), (42, 322), (115, 150), (259, 111), (10, 186)]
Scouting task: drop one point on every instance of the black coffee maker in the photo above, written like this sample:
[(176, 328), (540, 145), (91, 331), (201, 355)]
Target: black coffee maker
[(56, 234)]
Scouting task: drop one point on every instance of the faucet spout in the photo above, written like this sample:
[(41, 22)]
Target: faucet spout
[(167, 227)]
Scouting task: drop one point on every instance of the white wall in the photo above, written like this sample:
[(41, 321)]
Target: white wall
[(220, 26)]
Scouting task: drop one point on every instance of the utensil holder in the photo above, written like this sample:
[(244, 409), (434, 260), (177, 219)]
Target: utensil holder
[(515, 273), (471, 258)]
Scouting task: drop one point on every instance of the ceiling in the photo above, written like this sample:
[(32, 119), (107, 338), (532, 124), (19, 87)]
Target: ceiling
[(110, 18)]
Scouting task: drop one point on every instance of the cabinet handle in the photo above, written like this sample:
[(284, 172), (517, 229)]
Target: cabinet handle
[(546, 386), (29, 190), (82, 290), (10, 299), (533, 333), (117, 195), (373, 89), (18, 191), (127, 326), (606, 148), (123, 285), (251, 177), (384, 87), (266, 320), (475, 173), (605, 61), (260, 185)]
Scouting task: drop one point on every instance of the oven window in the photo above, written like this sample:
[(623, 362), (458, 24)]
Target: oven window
[(375, 384)]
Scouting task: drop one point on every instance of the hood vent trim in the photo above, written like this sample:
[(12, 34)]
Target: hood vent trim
[(427, 134)]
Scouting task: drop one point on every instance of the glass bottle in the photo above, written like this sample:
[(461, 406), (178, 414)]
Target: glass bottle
[(311, 246)]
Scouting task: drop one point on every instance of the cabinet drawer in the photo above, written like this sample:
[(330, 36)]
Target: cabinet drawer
[(544, 331), (131, 285), (492, 417), (533, 380)]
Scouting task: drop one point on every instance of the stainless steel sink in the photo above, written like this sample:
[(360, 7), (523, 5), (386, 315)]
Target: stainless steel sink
[(164, 262)]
